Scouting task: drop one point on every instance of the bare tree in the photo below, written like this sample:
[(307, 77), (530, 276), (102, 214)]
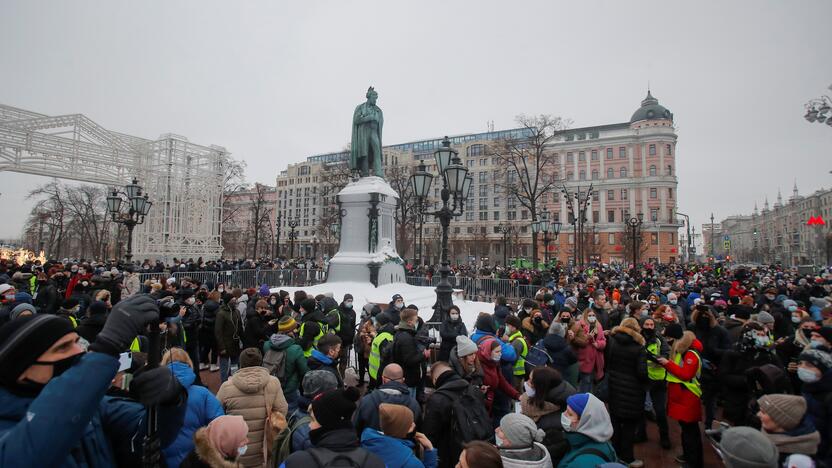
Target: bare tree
[(233, 183), (398, 176), (525, 166), (261, 210)]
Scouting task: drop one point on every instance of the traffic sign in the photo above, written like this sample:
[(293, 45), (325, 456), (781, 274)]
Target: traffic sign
[(726, 244)]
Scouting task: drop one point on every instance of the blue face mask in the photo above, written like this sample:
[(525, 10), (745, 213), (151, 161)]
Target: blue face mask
[(806, 375)]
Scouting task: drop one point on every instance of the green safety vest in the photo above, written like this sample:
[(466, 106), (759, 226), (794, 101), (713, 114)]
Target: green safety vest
[(73, 321), (654, 370), (520, 363), (134, 346), (338, 315), (375, 353), (692, 384), (308, 352)]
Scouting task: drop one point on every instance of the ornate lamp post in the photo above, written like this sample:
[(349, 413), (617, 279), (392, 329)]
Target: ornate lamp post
[(553, 228), (138, 206), (634, 225), (577, 204), (536, 227), (292, 223), (315, 242), (820, 110), (276, 249), (506, 230), (456, 183), (335, 229)]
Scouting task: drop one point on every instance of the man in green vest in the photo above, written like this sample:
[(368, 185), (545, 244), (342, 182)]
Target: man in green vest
[(381, 349), (514, 337), (657, 389)]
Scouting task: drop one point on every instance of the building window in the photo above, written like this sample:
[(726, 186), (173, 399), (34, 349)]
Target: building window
[(596, 217), (496, 216), (622, 152), (595, 174), (556, 158), (610, 194), (611, 239), (570, 176), (483, 216), (483, 161), (571, 238), (654, 238), (581, 156), (556, 216), (622, 173), (524, 214), (594, 155), (496, 201), (582, 175), (469, 215), (483, 177), (610, 173), (483, 190), (669, 170), (483, 203), (476, 150), (624, 194), (670, 194), (654, 214), (668, 150), (470, 162), (556, 197), (610, 216), (654, 193), (652, 171), (609, 153), (595, 196), (596, 239), (512, 215), (555, 176), (570, 158), (652, 150)]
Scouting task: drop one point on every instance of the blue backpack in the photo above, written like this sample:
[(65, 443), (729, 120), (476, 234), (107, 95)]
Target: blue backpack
[(538, 356)]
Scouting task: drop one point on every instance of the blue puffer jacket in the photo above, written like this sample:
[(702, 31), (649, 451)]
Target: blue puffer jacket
[(203, 407), (509, 355), (70, 423), (396, 453)]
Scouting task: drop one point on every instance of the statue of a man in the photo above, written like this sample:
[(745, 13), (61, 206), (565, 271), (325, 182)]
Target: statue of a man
[(365, 151)]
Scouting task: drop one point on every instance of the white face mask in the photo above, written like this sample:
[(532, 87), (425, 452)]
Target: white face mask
[(566, 422), (348, 305), (591, 319), (806, 375), (795, 319), (190, 301), (399, 305), (529, 390), (454, 317), (496, 357), (242, 450), (528, 311)]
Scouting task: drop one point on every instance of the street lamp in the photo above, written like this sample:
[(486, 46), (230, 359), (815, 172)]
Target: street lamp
[(577, 204), (315, 242), (277, 223), (138, 206), (506, 230), (335, 229), (552, 228), (455, 182), (819, 110), (634, 224), (292, 223), (687, 223)]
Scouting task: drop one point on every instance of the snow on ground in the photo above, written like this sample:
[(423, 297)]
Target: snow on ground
[(422, 297)]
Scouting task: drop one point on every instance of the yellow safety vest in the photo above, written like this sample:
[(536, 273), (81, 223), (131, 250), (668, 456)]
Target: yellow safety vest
[(308, 352), (520, 363), (692, 384), (655, 371), (134, 346), (73, 321), (375, 353)]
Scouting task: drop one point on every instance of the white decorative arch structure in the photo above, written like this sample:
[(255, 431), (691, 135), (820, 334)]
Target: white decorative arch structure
[(184, 180)]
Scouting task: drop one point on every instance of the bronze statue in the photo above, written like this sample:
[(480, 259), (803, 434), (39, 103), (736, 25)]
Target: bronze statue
[(365, 151)]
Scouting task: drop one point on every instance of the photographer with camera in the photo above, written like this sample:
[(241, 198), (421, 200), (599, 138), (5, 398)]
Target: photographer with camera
[(41, 365)]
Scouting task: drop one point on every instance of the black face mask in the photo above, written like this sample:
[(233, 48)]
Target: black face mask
[(807, 332), (30, 388), (703, 321), (648, 332), (565, 320)]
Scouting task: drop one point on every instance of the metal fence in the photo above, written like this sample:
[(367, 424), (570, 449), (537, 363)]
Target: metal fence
[(245, 278), (482, 289)]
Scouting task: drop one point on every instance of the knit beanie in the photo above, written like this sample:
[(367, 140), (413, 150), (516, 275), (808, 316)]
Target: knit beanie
[(673, 330), (348, 297), (571, 302), (785, 410), (485, 323), (765, 317), (741, 313), (264, 290), (464, 346), (318, 381), (334, 409), (227, 433), (578, 402), (556, 328), (22, 341), (308, 305), (250, 357), (395, 420), (826, 333), (746, 447), (21, 308), (286, 324), (820, 359), (520, 430), (513, 321)]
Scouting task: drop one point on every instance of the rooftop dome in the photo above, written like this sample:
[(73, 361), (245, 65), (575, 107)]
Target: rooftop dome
[(651, 109)]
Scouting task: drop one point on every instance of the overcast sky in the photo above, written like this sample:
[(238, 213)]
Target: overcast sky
[(275, 83)]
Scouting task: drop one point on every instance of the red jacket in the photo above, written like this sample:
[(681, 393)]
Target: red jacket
[(736, 290), (492, 376), (682, 404)]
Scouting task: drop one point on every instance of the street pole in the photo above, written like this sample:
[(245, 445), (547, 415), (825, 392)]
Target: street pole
[(712, 238)]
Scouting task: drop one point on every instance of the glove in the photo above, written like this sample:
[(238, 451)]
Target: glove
[(127, 319), (155, 386)]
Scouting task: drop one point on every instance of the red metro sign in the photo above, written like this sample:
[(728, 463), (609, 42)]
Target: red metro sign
[(816, 221)]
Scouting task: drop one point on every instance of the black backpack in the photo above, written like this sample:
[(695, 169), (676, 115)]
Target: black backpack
[(469, 418), (356, 457)]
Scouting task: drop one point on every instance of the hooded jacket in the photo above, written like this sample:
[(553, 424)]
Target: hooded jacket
[(203, 407), (803, 439), (320, 361), (594, 430), (437, 420), (493, 376), (366, 415), (818, 397), (535, 456), (205, 455), (562, 354), (591, 356), (245, 394), (627, 372), (295, 362), (227, 330), (335, 440), (407, 354), (548, 419), (396, 453)]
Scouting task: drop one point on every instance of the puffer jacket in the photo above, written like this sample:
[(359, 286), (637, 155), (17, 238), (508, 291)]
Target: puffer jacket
[(448, 331), (627, 372), (203, 407), (396, 453), (547, 419), (227, 330), (245, 394), (493, 377), (295, 362), (535, 456), (682, 404), (591, 356), (562, 354)]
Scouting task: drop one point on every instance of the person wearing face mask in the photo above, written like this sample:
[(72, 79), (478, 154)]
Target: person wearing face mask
[(47, 298), (191, 323), (514, 337), (346, 312), (7, 301), (463, 360), (519, 441), (41, 363), (526, 309), (544, 400), (656, 347), (394, 309), (281, 350), (788, 349), (489, 353), (822, 339), (815, 371), (219, 444), (588, 430), (534, 327), (590, 356), (673, 305), (715, 342), (406, 350), (449, 329)]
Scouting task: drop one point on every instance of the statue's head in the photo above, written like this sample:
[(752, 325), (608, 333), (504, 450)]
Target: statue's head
[(372, 95)]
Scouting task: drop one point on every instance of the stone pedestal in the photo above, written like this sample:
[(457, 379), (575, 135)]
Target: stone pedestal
[(367, 251)]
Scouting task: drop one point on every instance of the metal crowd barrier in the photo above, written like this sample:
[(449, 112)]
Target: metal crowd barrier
[(245, 278), (482, 289)]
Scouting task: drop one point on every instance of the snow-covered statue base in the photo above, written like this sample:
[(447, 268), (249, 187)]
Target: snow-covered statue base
[(367, 251)]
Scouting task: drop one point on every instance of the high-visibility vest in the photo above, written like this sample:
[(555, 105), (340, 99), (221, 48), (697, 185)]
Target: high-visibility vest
[(655, 371), (520, 363), (73, 321), (375, 353), (134, 346), (338, 315), (692, 384), (308, 352)]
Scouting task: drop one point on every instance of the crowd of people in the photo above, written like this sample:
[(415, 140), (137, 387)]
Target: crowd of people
[(572, 377)]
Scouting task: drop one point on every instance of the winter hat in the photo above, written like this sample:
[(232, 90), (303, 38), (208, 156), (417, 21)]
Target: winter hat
[(520, 430), (286, 324), (578, 402), (485, 323), (741, 313), (227, 433), (826, 333), (250, 357), (396, 297), (820, 359), (788, 303), (308, 305), (746, 447), (798, 460), (334, 409), (674, 330), (765, 318), (556, 328), (97, 308), (20, 308), (513, 321), (5, 287), (464, 346), (318, 381), (571, 302), (785, 410), (22, 341), (347, 297), (264, 290), (395, 420), (529, 304)]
